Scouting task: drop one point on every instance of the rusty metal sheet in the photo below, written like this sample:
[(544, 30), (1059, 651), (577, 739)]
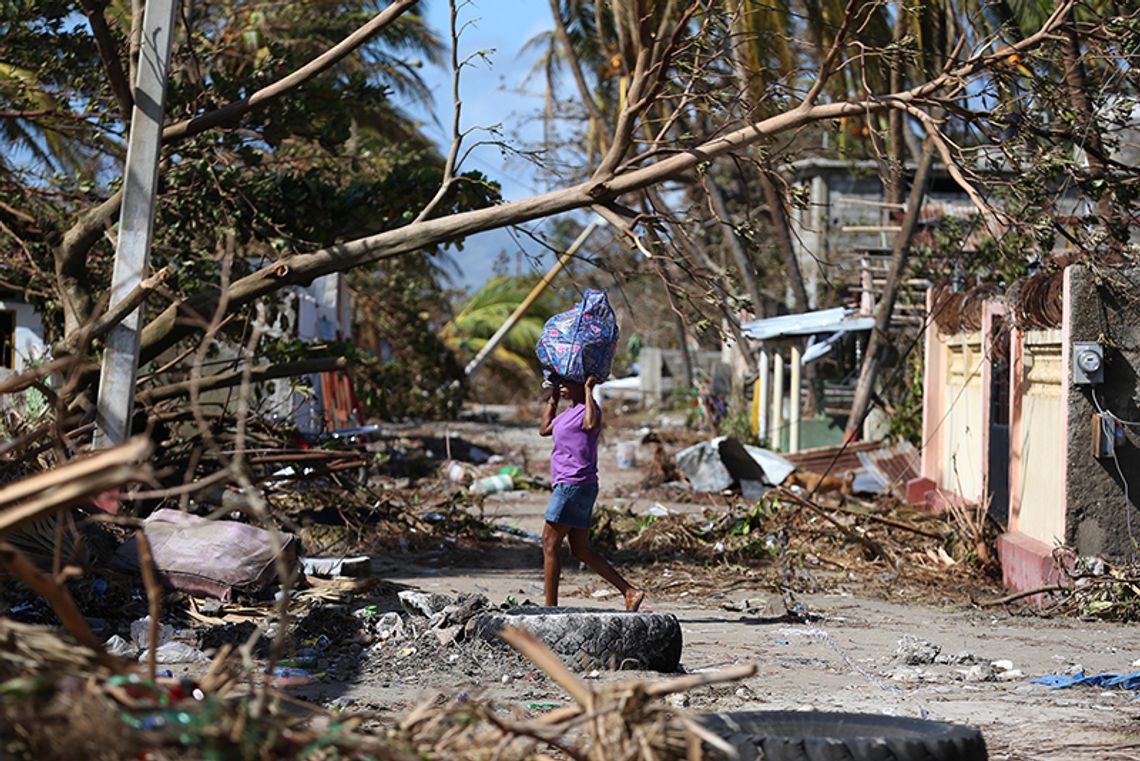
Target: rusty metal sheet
[(896, 465)]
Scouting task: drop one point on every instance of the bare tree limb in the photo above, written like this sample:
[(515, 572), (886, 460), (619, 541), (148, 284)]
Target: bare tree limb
[(456, 132), (176, 321), (872, 358), (234, 378), (38, 496), (109, 53)]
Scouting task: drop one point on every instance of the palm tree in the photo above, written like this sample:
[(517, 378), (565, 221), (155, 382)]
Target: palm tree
[(488, 308)]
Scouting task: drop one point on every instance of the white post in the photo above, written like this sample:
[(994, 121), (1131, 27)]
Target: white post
[(867, 285), (765, 393), (136, 223), (777, 422), (794, 403)]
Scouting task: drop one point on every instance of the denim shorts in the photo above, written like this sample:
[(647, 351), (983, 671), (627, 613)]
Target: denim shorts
[(572, 505)]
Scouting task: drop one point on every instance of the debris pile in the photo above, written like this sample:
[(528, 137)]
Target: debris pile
[(809, 545), (64, 700)]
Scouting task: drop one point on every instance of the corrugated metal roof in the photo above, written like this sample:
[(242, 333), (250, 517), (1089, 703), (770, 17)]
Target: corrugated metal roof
[(897, 465), (807, 324), (817, 460), (877, 468)]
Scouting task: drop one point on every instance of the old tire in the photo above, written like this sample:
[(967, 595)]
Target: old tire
[(812, 736), (591, 639)]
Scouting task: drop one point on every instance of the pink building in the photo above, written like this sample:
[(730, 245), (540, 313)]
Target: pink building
[(1007, 421)]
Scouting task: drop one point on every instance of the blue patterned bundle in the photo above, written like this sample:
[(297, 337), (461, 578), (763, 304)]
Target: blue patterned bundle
[(581, 341)]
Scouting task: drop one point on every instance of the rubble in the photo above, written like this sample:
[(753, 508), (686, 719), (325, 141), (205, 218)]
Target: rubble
[(425, 604), (917, 652)]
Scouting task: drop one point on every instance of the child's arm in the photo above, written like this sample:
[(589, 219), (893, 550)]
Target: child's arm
[(591, 419), (549, 411)]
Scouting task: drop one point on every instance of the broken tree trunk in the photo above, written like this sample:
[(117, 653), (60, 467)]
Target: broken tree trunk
[(872, 360)]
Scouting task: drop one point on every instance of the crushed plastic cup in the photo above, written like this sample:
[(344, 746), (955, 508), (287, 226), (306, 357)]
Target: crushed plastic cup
[(140, 633), (456, 472)]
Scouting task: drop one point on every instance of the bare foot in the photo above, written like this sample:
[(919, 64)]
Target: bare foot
[(633, 599)]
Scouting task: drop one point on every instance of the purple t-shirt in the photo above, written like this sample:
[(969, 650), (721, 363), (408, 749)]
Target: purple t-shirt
[(575, 456)]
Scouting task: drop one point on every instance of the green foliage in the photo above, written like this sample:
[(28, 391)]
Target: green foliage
[(406, 371), (906, 417), (739, 426), (487, 309)]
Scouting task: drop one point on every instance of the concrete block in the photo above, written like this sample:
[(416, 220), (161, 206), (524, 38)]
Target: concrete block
[(1028, 563), (917, 489)]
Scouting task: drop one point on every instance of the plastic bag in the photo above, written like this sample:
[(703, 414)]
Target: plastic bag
[(582, 341)]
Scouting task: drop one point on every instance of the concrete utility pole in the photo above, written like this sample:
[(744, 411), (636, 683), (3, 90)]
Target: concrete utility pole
[(535, 292), (136, 223)]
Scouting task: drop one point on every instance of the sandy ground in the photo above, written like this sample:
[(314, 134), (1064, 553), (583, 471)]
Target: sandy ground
[(844, 661)]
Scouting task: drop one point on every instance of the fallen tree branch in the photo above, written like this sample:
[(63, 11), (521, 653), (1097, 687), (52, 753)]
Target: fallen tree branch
[(115, 314), (867, 542), (72, 483), (1022, 595), (153, 600), (234, 377)]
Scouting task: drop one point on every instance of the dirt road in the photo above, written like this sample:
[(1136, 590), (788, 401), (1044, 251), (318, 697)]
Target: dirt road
[(847, 658)]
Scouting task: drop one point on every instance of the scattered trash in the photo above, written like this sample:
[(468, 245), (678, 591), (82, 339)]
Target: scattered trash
[(909, 675), (209, 557), (289, 676), (657, 511), (979, 672), (493, 484), (390, 626), (1118, 681), (116, 645), (140, 633), (174, 652), (457, 473), (327, 568), (447, 635), (627, 454), (211, 608), (426, 604), (718, 464)]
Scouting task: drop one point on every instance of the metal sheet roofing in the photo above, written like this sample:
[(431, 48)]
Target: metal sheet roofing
[(807, 324)]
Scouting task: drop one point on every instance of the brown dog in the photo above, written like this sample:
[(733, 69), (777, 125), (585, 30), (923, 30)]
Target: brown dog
[(819, 484)]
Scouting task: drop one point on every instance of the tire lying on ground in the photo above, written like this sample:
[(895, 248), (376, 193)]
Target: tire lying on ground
[(592, 639), (812, 736)]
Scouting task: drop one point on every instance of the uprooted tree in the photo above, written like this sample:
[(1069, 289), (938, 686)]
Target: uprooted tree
[(275, 118)]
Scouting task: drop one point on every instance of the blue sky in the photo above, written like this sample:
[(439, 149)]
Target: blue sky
[(493, 92)]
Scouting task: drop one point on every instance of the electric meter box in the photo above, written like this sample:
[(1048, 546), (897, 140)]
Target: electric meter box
[(1088, 363)]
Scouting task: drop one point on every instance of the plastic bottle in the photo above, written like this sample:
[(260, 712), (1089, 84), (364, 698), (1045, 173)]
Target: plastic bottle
[(492, 484)]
